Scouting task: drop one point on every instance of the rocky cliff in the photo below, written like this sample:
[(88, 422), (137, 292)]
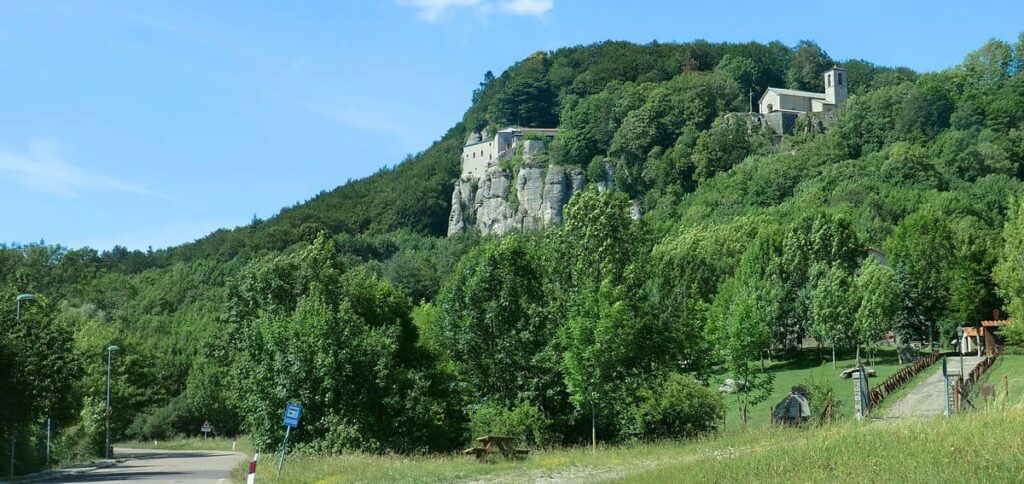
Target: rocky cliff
[(502, 201)]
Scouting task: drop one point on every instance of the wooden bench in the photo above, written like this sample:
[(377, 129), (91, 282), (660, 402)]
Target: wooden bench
[(496, 444)]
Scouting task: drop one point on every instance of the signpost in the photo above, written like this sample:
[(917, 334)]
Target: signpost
[(292, 412), (951, 378), (206, 429)]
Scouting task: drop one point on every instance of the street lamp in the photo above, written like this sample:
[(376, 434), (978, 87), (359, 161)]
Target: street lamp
[(17, 317), (19, 299), (110, 349)]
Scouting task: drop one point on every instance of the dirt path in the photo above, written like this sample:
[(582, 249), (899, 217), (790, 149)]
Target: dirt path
[(929, 398), (598, 473)]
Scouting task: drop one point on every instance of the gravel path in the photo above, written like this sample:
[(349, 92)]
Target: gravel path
[(929, 398)]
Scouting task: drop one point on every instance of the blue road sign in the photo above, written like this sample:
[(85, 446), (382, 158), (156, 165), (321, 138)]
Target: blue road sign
[(291, 415)]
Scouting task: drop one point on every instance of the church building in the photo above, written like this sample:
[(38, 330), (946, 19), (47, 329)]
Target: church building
[(794, 101), (780, 108)]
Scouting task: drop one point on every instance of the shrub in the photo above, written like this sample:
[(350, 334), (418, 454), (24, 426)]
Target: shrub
[(1013, 333), (525, 421), (84, 440), (672, 408), (824, 403), (175, 418)]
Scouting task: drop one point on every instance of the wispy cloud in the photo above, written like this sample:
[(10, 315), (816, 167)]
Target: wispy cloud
[(534, 8), (42, 169), (435, 10)]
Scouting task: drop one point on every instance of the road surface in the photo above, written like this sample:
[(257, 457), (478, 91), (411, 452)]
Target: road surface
[(928, 399), (190, 466)]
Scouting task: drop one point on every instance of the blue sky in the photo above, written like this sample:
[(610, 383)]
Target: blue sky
[(153, 123)]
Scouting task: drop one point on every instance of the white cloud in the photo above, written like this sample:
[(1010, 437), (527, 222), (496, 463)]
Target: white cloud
[(43, 170), (435, 10), (432, 10), (534, 8)]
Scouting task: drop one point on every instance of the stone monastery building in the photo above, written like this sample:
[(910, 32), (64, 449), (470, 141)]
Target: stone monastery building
[(791, 100), (480, 153), (781, 107)]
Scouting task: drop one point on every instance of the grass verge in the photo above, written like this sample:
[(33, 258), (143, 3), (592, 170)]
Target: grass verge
[(1010, 367), (984, 446), (241, 444)]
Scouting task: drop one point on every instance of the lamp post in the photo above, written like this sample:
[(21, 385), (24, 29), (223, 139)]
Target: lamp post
[(110, 349), (17, 317)]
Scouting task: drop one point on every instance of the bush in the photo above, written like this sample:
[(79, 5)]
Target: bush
[(824, 403), (525, 421), (673, 408), (1013, 333), (175, 418), (84, 440)]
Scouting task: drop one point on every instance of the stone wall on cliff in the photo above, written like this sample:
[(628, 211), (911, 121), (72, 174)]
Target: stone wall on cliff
[(528, 195)]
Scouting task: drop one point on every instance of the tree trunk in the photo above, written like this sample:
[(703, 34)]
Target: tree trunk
[(833, 356), (593, 428)]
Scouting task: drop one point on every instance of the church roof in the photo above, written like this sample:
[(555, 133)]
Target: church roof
[(794, 92)]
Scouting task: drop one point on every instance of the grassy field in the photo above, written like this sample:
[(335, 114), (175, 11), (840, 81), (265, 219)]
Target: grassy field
[(809, 365), (985, 446), (241, 444), (1011, 367)]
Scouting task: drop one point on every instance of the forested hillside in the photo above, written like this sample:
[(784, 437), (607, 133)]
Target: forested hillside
[(395, 338)]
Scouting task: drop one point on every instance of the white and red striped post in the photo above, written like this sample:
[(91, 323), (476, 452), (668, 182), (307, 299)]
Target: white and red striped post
[(251, 478)]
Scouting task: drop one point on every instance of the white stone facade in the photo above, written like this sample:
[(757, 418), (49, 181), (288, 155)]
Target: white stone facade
[(793, 101), (480, 154)]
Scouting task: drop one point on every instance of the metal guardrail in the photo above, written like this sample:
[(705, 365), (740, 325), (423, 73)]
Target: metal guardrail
[(901, 377)]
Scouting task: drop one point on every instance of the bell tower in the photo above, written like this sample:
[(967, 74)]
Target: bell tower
[(835, 86)]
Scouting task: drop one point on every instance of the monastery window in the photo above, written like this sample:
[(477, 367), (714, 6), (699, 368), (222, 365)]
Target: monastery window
[(829, 80), (839, 78), (769, 107)]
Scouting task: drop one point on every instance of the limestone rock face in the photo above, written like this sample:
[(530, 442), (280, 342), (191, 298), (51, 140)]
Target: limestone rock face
[(497, 204), (492, 209), (530, 197)]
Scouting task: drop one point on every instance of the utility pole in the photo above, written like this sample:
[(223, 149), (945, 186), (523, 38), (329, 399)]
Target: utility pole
[(751, 96)]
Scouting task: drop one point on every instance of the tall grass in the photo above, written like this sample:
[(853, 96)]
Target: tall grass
[(240, 444), (984, 446)]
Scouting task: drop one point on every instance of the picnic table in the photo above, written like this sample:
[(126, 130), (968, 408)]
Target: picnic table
[(496, 444)]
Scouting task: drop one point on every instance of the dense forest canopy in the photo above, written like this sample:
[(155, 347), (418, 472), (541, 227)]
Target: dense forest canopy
[(398, 339)]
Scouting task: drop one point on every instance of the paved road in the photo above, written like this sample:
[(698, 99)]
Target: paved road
[(164, 466), (929, 398)]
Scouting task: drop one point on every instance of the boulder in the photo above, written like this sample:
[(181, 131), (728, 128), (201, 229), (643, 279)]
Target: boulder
[(731, 386)]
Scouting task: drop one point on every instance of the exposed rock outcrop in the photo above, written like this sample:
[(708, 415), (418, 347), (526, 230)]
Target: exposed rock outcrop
[(533, 200), (516, 189)]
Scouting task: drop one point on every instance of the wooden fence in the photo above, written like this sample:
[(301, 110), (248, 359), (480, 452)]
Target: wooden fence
[(898, 379), (962, 389)]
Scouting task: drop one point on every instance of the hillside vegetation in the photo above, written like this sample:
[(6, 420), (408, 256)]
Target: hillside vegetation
[(398, 340)]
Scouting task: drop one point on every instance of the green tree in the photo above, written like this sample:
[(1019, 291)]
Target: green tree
[(494, 326), (338, 341), (879, 306), (740, 317), (808, 64), (833, 308), (527, 98), (922, 250), (1008, 274)]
